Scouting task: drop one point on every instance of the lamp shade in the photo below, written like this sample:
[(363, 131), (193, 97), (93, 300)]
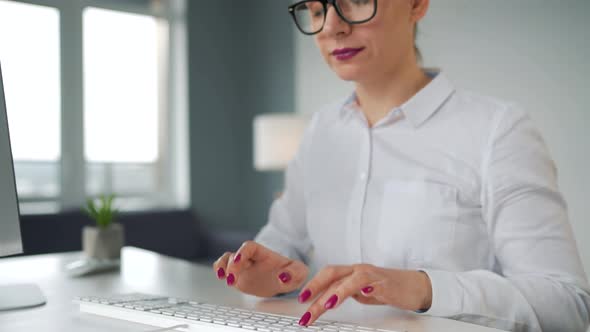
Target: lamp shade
[(276, 139)]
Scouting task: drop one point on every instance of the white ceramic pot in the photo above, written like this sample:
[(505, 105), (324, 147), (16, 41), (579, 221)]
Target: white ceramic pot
[(103, 243)]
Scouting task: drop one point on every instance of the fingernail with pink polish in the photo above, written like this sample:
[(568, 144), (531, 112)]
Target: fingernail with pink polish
[(331, 302), (305, 319), (304, 296), (285, 277), (220, 273), (237, 258), (367, 290), (231, 279)]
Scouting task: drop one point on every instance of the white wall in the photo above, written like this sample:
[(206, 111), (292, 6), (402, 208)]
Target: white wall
[(534, 52)]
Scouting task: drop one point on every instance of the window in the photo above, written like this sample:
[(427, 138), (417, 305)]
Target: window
[(120, 102), (108, 99), (121, 87), (35, 143)]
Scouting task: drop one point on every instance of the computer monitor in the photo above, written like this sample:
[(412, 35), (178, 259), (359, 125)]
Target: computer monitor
[(20, 295)]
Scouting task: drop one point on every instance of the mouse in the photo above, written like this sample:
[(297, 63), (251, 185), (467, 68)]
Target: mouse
[(90, 266)]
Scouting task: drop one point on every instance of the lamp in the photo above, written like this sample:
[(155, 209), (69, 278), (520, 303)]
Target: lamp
[(276, 139)]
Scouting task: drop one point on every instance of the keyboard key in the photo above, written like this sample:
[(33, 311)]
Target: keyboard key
[(345, 325)]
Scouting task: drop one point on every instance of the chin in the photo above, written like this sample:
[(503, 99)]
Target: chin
[(348, 74), (348, 71)]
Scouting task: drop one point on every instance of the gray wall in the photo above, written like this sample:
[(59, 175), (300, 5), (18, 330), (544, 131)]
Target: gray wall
[(534, 52), (241, 56)]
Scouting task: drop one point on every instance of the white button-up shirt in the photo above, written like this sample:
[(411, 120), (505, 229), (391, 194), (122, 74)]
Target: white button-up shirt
[(452, 183)]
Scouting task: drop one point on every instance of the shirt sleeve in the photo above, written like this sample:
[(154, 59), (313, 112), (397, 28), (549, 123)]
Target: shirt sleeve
[(286, 230), (539, 283)]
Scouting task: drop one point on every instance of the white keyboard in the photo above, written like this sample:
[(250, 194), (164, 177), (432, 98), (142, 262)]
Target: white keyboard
[(186, 315)]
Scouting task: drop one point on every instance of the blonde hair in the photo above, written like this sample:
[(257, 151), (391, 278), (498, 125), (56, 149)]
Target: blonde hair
[(416, 49)]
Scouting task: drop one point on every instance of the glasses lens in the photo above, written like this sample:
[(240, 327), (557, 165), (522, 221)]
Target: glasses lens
[(310, 16), (357, 10)]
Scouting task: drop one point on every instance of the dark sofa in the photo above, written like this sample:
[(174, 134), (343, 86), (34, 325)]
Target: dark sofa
[(175, 233)]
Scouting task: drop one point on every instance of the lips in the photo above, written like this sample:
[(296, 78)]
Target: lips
[(346, 53)]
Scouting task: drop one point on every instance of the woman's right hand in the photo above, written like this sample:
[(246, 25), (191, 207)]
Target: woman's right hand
[(257, 270)]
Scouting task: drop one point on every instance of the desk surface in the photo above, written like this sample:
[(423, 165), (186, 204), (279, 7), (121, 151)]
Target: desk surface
[(148, 272)]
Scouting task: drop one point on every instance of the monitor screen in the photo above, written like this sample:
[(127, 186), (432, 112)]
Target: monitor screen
[(10, 236), (19, 296)]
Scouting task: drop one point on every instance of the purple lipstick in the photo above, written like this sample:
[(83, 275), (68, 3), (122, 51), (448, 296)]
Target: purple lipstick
[(343, 54)]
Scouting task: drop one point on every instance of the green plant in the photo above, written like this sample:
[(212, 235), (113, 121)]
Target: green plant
[(104, 213)]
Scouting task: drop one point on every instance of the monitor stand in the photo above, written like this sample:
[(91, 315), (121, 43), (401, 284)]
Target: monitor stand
[(20, 296)]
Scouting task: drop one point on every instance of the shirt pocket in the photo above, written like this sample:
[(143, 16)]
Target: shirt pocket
[(417, 222)]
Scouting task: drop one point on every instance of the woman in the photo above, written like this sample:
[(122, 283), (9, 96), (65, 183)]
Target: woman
[(413, 193)]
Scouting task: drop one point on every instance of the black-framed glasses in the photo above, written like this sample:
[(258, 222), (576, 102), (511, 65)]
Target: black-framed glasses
[(310, 15)]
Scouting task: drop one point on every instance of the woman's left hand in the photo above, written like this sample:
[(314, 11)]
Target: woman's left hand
[(368, 284)]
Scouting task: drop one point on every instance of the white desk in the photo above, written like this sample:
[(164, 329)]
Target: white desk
[(148, 272)]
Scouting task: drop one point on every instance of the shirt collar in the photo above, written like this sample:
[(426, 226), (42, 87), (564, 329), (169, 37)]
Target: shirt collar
[(349, 105), (421, 106), (427, 101)]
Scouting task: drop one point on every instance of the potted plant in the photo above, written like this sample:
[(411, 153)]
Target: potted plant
[(105, 240)]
